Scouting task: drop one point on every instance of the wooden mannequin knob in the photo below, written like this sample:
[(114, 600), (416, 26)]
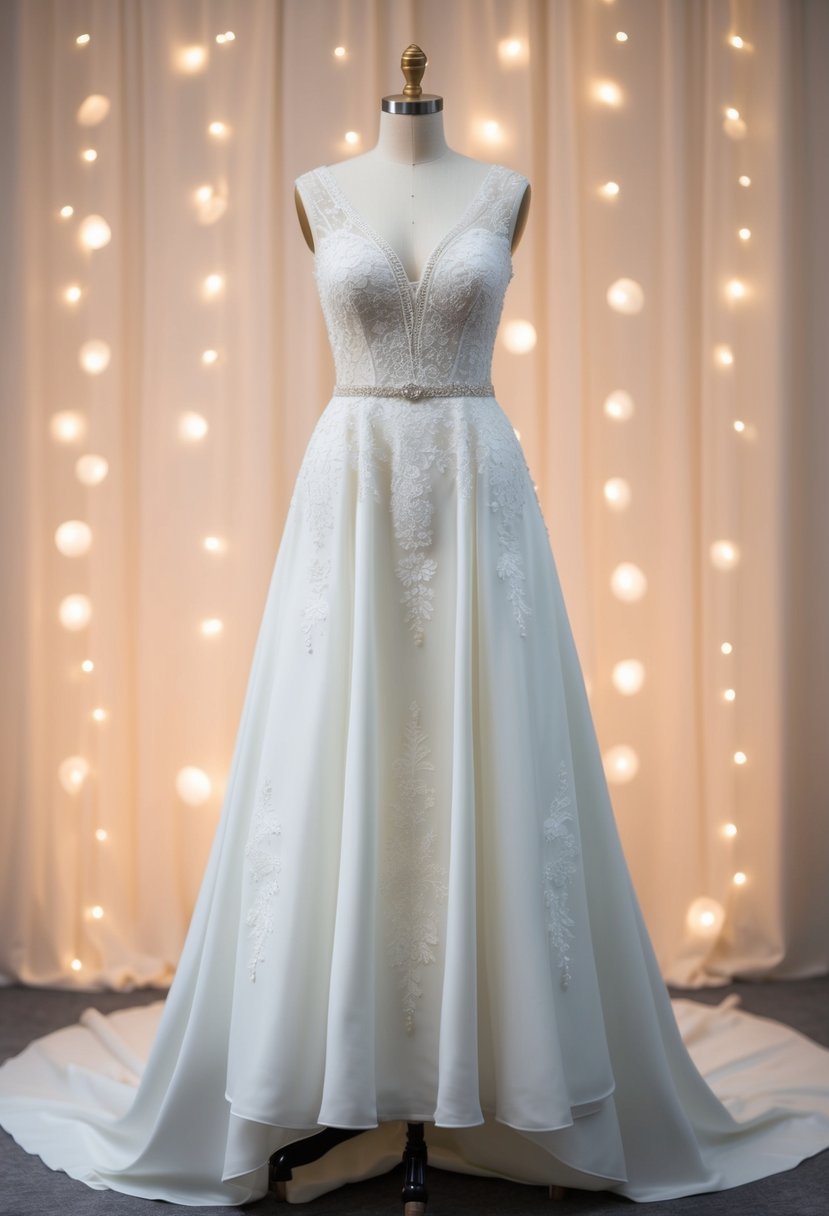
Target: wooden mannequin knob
[(413, 64)]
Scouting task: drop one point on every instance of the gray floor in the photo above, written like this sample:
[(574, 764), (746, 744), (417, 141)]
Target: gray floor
[(29, 1188)]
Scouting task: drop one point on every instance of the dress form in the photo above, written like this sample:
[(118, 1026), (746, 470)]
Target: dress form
[(411, 186)]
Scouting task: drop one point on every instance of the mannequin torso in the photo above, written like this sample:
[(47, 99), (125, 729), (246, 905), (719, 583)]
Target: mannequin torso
[(411, 188)]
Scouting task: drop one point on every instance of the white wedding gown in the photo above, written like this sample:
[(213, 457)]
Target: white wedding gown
[(416, 906)]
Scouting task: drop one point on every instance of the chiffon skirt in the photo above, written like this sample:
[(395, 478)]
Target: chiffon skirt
[(416, 905)]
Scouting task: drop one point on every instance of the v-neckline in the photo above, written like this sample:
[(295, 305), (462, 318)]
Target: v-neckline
[(414, 285)]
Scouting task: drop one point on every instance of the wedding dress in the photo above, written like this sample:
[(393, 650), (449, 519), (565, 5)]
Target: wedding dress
[(416, 905)]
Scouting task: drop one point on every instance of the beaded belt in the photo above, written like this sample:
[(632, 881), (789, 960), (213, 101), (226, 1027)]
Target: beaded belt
[(414, 392)]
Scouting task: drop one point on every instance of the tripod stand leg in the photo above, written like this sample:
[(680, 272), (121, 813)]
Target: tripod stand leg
[(414, 1193)]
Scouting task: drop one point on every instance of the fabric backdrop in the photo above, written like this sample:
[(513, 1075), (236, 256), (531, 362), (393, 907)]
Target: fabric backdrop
[(662, 356)]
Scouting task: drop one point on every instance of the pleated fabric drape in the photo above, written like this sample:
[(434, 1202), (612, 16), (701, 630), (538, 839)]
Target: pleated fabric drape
[(164, 360)]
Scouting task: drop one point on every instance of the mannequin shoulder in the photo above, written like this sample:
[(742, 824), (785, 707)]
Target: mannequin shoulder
[(303, 201)]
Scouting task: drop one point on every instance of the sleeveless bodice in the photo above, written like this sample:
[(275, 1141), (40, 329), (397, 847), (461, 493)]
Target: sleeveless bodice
[(387, 331)]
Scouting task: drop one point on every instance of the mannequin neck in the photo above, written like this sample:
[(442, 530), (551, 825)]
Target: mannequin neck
[(411, 139)]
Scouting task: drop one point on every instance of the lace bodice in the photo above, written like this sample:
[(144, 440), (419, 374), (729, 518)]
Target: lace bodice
[(385, 330)]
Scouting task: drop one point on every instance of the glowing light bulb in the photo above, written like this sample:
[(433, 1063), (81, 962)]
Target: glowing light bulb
[(626, 296), (739, 425), (100, 714), (609, 190), (352, 137), (339, 52), (617, 493), (729, 694), (76, 964), (621, 36), (93, 110), (82, 40), (211, 627), (724, 355), (87, 665), (89, 155), (729, 830), (736, 289), (744, 234), (740, 758), (513, 51), (72, 294), (491, 131), (66, 211), (218, 130), (213, 544), (736, 41), (192, 427), (621, 764), (739, 879), (191, 59), (94, 232), (67, 426), (95, 912), (628, 676), (628, 582), (618, 405), (744, 179), (94, 356), (519, 336), (705, 917), (73, 538), (724, 554), (608, 93), (733, 125), (210, 203), (213, 285), (209, 357), (101, 834), (72, 772), (193, 785), (726, 648), (91, 470), (75, 612), (227, 36)]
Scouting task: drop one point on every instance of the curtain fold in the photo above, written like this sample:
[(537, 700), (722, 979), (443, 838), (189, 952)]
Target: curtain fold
[(164, 360)]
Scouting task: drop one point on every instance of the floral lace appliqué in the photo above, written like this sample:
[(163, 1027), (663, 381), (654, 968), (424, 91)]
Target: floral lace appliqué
[(384, 331), (414, 883), (316, 608), (561, 852), (263, 871)]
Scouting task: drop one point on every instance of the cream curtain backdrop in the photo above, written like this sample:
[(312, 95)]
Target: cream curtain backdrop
[(704, 399)]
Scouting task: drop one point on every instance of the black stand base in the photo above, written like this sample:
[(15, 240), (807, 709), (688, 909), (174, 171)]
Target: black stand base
[(285, 1160), (414, 1193), (415, 1156)]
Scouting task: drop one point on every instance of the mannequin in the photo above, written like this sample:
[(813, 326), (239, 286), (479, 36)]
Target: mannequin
[(411, 187)]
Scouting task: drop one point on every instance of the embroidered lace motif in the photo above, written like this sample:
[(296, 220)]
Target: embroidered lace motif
[(413, 881), (450, 438), (386, 331), (560, 863), (263, 867)]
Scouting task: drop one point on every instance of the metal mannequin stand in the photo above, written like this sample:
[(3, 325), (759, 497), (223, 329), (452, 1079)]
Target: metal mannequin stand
[(414, 1194)]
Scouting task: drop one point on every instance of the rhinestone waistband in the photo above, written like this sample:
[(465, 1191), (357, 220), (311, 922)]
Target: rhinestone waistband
[(414, 392)]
